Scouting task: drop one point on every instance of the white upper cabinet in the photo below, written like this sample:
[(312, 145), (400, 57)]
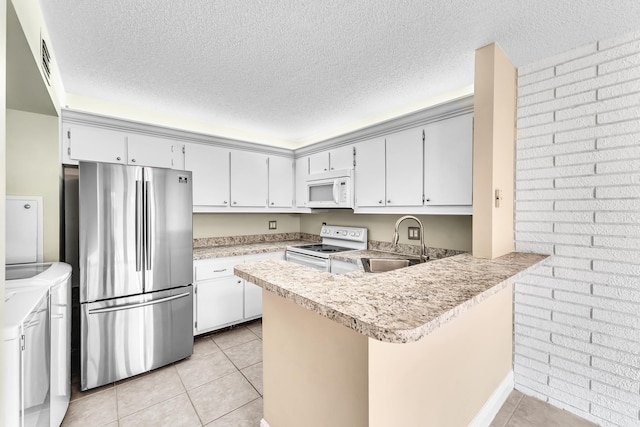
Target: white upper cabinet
[(302, 173), (210, 174), (249, 175), (370, 173), (341, 158), (145, 150), (93, 144), (404, 168), (96, 144), (334, 159), (319, 163), (448, 162), (280, 182)]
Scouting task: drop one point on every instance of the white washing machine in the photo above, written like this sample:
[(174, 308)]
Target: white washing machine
[(38, 343)]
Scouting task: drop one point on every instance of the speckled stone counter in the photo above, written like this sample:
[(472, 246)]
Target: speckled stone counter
[(398, 306), (244, 249)]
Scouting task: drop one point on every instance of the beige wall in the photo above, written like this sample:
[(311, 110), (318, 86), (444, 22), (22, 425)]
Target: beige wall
[(493, 152), (315, 370), (445, 378), (242, 224), (441, 231), (33, 169)]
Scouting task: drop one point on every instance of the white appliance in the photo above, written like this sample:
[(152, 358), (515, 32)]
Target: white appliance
[(37, 339), (335, 239), (332, 189)]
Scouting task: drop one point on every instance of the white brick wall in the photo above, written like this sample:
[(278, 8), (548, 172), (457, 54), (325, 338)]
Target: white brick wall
[(577, 318)]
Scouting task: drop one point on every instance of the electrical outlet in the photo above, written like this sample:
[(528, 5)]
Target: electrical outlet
[(414, 233), (273, 225)]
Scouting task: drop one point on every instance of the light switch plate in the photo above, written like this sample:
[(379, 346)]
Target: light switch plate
[(414, 233), (273, 225)]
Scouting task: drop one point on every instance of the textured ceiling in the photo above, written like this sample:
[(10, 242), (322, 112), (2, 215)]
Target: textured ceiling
[(299, 71)]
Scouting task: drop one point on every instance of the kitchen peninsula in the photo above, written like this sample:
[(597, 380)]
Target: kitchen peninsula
[(423, 345)]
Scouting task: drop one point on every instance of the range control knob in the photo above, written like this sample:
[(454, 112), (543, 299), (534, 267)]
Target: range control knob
[(357, 234), (352, 234), (344, 233)]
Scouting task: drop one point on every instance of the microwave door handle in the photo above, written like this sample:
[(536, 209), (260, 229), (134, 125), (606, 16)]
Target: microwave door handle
[(336, 187)]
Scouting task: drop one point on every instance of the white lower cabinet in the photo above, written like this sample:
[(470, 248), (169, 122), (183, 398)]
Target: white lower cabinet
[(219, 302), (223, 299)]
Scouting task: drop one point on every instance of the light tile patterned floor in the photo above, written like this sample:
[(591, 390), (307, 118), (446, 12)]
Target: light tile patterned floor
[(219, 385)]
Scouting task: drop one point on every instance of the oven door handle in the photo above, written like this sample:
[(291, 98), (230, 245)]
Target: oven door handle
[(307, 260)]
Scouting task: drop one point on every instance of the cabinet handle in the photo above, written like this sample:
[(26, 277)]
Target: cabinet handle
[(428, 200), (239, 281), (379, 201), (133, 160), (219, 271), (118, 158), (271, 203), (235, 203), (325, 169), (27, 206), (388, 201), (225, 202)]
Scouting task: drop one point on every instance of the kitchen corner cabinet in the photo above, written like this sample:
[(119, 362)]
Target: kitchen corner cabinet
[(95, 144), (448, 162), (209, 166), (249, 175), (223, 299), (280, 182), (334, 159)]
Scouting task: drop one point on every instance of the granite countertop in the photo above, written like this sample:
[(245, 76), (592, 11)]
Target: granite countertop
[(243, 249), (397, 306)]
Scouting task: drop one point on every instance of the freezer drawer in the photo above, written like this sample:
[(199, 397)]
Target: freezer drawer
[(127, 336)]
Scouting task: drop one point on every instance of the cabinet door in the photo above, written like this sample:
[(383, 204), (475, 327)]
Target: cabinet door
[(144, 150), (219, 302), (319, 163), (248, 179), (448, 161), (96, 144), (252, 300), (280, 182), (210, 174), (404, 168), (302, 173), (341, 158), (370, 173)]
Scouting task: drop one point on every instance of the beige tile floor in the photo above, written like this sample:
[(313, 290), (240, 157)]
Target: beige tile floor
[(220, 385), (520, 410)]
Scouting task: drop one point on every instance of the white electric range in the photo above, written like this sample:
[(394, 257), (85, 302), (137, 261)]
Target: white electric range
[(335, 239)]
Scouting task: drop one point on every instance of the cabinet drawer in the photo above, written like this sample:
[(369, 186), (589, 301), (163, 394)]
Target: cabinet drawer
[(214, 269)]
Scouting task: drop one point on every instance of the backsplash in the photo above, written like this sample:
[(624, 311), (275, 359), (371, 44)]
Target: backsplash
[(207, 242), (412, 250)]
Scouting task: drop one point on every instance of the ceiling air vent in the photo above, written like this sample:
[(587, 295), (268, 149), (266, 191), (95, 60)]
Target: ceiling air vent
[(46, 61)]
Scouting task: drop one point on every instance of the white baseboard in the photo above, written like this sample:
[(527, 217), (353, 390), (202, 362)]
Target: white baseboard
[(492, 406), (264, 423)]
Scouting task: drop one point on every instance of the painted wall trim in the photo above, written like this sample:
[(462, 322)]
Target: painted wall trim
[(96, 120), (442, 111), (427, 115), (492, 406)]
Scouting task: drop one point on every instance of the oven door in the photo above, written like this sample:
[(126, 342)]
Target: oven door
[(308, 260)]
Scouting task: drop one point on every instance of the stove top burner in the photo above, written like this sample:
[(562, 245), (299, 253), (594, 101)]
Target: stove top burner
[(319, 247)]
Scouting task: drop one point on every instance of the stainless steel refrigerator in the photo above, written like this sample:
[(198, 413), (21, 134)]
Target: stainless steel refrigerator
[(136, 270)]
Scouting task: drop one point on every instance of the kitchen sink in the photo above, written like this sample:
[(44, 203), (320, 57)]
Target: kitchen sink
[(380, 265)]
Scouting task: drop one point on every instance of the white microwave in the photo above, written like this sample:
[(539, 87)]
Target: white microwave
[(332, 189)]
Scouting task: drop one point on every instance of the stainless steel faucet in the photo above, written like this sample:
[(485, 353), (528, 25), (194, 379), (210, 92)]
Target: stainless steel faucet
[(423, 249)]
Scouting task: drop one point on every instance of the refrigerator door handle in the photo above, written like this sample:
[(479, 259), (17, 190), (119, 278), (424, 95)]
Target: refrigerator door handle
[(138, 304), (147, 224), (139, 209)]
